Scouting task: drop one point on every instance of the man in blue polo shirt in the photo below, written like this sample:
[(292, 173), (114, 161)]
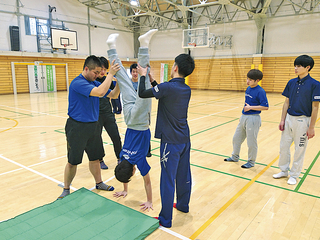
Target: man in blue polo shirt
[(298, 118), (82, 127), (250, 120), (173, 130)]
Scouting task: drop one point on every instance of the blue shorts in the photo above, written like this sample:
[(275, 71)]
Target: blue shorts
[(135, 149)]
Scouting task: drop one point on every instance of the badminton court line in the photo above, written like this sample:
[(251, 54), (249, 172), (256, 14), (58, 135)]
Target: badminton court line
[(27, 110), (195, 119), (34, 165), (34, 171), (6, 129)]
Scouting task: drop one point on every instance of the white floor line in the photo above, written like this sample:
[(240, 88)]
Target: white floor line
[(34, 171), (27, 110), (37, 126), (34, 165), (104, 182), (173, 233), (212, 114)]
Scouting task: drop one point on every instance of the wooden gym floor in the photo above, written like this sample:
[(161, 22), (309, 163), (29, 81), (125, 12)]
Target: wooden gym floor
[(227, 202)]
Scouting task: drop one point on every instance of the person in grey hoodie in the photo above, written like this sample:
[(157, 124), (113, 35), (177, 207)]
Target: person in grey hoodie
[(136, 112)]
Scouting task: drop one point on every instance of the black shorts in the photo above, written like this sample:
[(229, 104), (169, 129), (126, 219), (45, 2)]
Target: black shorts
[(83, 137)]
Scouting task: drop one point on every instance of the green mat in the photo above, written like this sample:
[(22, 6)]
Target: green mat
[(81, 215)]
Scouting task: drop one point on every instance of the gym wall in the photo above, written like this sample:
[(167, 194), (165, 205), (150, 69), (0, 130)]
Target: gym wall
[(224, 69)]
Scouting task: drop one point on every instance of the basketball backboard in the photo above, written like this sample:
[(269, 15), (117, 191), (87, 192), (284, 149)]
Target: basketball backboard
[(64, 39), (197, 37)]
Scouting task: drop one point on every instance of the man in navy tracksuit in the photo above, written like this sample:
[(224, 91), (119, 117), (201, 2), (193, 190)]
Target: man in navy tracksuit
[(173, 130)]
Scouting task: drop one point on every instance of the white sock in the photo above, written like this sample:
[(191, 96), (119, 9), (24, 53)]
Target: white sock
[(145, 38), (111, 41)]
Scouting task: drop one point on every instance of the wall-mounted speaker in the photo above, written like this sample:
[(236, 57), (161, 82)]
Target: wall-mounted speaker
[(14, 38)]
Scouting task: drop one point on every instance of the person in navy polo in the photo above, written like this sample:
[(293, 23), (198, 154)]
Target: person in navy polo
[(173, 130), (298, 118), (82, 127)]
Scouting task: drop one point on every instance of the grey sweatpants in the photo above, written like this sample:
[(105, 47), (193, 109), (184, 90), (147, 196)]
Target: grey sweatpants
[(248, 127), (136, 110)]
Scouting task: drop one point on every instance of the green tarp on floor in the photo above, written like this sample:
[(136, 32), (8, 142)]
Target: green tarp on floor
[(81, 215)]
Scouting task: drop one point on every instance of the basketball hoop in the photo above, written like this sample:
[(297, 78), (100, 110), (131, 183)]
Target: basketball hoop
[(67, 45), (192, 44)]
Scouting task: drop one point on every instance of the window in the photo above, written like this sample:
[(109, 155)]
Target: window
[(31, 24)]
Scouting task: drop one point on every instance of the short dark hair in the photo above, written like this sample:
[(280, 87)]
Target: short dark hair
[(134, 65), (123, 171), (92, 62), (104, 62), (255, 74), (304, 61), (185, 64)]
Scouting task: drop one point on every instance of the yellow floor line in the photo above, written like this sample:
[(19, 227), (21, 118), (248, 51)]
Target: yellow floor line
[(10, 127), (224, 207)]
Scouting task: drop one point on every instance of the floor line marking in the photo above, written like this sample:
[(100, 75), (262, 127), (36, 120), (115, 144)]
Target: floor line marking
[(104, 182), (36, 164), (42, 113), (209, 115), (10, 127), (236, 196), (34, 171), (173, 233), (306, 173)]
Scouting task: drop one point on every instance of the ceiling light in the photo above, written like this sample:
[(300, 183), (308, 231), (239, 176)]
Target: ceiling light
[(134, 3)]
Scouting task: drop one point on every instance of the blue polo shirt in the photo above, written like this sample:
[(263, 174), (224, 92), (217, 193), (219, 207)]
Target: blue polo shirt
[(255, 97), (172, 125), (301, 94), (82, 106), (135, 85)]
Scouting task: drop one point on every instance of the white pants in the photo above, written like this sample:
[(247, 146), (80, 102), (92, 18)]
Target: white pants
[(295, 130)]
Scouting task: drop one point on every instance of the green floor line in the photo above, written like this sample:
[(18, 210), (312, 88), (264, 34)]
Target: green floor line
[(225, 156), (278, 103), (290, 190), (248, 179), (213, 170), (211, 153), (306, 173), (213, 127), (30, 115), (59, 131), (311, 175)]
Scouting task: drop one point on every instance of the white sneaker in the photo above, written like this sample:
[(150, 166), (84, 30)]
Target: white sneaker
[(292, 181), (280, 175)]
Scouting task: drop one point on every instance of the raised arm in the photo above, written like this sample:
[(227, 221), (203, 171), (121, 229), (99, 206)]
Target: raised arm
[(104, 87), (114, 94), (142, 91)]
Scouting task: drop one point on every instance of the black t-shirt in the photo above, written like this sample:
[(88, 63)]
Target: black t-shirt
[(105, 106)]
